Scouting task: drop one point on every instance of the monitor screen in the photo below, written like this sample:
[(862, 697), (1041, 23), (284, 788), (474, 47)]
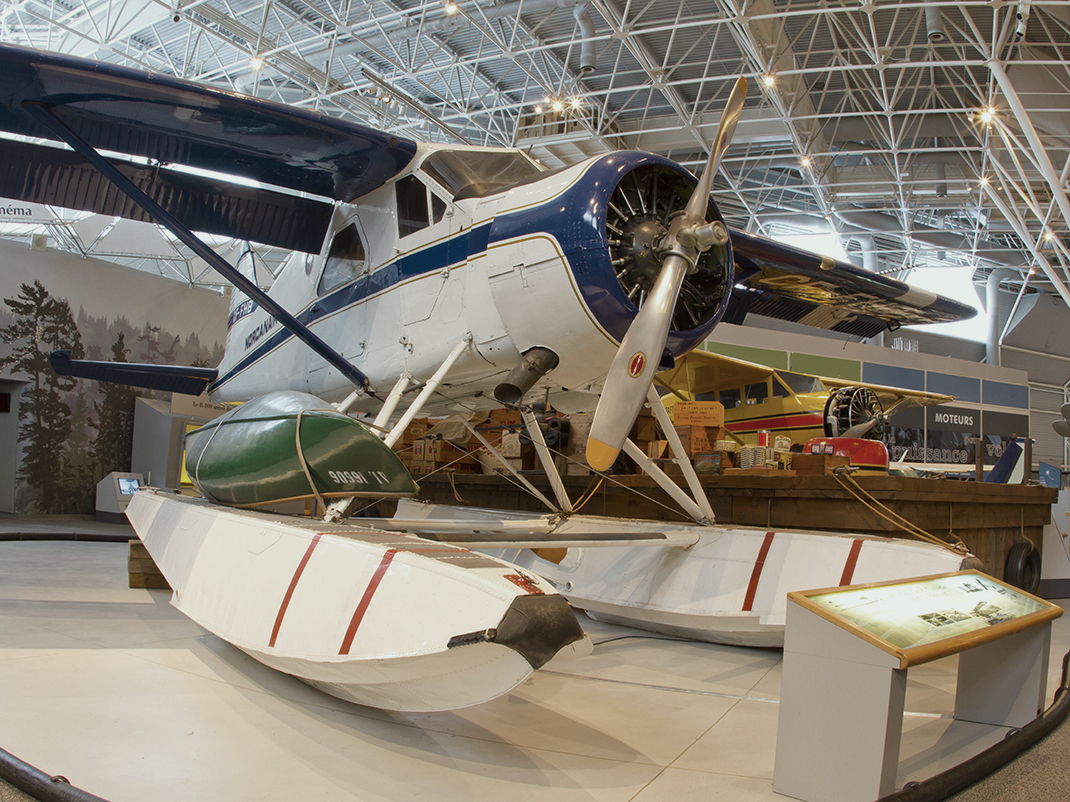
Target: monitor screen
[(127, 485)]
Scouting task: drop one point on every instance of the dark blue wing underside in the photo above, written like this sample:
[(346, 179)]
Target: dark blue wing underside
[(62, 178), (174, 121), (791, 284)]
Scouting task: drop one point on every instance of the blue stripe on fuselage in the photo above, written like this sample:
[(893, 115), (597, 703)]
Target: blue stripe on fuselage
[(413, 265), (575, 217)]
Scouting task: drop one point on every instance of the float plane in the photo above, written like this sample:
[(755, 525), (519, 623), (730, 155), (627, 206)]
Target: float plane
[(759, 398), (470, 278)]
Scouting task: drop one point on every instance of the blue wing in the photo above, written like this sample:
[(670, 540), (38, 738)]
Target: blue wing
[(171, 121), (787, 283)]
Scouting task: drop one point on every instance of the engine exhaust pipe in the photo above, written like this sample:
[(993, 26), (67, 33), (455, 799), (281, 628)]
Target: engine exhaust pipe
[(537, 362)]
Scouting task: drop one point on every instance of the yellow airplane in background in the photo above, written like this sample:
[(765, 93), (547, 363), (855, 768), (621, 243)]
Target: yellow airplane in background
[(758, 398)]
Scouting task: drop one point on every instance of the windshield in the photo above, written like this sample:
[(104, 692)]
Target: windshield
[(799, 382), (471, 174)]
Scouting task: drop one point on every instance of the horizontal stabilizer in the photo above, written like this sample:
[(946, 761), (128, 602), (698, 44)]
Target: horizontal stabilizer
[(168, 378)]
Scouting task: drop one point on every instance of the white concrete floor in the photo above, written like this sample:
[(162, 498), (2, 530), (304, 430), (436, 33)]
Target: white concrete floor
[(124, 696)]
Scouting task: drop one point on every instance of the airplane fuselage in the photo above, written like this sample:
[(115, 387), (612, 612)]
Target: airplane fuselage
[(524, 266)]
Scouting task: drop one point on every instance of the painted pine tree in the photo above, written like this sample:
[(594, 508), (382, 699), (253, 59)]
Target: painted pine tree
[(115, 419), (43, 324)]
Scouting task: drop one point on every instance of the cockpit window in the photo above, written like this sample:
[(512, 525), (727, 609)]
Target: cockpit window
[(412, 205), (757, 393), (468, 174), (345, 259), (438, 208), (800, 382)]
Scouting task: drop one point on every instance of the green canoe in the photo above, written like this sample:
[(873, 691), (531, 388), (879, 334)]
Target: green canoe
[(287, 446)]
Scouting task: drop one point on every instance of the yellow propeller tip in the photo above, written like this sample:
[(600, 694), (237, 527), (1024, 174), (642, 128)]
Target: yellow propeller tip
[(600, 456)]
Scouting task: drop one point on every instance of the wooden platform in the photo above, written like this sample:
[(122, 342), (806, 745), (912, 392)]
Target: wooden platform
[(988, 518)]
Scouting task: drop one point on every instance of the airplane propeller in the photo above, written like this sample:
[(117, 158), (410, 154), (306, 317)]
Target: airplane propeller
[(632, 370)]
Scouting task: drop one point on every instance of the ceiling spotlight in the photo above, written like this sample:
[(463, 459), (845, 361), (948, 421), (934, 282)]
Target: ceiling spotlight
[(558, 106), (769, 80), (450, 6), (575, 103), (538, 109), (1048, 236), (988, 115), (984, 181), (804, 161), (256, 62)]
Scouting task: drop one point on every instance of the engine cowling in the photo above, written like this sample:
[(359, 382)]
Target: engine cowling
[(609, 222)]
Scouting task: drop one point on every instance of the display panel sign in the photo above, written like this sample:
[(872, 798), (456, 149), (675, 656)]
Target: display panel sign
[(999, 430), (949, 434), (929, 617), (905, 435)]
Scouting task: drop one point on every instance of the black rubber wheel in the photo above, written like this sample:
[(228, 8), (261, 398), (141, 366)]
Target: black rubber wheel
[(1022, 568)]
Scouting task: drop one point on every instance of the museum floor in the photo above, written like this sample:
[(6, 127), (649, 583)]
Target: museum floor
[(115, 690)]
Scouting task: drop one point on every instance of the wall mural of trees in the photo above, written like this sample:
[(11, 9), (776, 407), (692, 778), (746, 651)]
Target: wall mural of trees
[(72, 433)]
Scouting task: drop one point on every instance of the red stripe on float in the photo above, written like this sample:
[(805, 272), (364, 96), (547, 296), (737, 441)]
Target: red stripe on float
[(290, 590), (755, 575), (366, 599), (852, 560)]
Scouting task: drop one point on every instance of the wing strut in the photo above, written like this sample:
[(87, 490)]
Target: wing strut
[(45, 115)]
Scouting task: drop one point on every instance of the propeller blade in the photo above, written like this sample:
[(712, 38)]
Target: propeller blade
[(632, 370), (700, 198)]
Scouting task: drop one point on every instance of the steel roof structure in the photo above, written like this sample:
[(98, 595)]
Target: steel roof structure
[(927, 136)]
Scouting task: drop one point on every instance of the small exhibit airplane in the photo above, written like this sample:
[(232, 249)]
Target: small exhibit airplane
[(759, 398), (468, 277)]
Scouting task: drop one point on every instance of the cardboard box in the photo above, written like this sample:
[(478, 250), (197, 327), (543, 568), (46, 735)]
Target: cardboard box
[(698, 413), (506, 417), (816, 464), (658, 450), (699, 439), (646, 427)]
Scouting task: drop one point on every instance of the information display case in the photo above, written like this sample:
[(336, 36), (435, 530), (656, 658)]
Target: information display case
[(846, 655)]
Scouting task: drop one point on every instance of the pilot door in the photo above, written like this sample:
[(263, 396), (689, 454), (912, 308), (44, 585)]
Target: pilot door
[(337, 315)]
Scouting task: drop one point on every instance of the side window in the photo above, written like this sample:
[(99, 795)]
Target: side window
[(438, 208), (780, 390), (757, 393), (345, 260), (730, 398), (412, 205)]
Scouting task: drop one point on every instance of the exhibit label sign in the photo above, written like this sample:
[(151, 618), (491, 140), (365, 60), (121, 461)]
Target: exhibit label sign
[(929, 617)]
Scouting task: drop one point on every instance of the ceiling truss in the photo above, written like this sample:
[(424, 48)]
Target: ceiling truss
[(926, 135)]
